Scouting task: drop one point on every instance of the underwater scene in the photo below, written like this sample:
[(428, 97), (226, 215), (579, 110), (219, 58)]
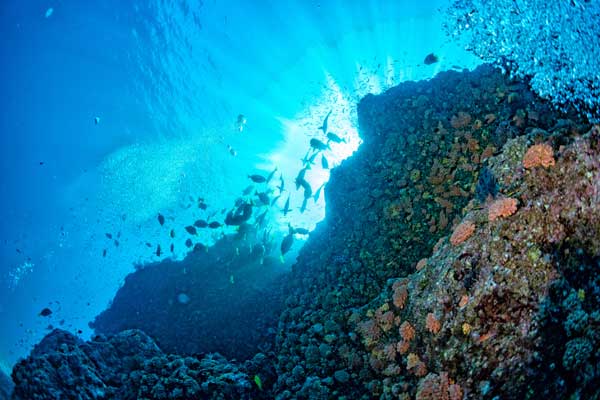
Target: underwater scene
[(303, 199)]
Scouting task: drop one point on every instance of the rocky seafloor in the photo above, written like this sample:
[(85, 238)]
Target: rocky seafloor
[(459, 259)]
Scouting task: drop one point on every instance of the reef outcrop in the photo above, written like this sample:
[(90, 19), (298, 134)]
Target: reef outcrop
[(458, 260)]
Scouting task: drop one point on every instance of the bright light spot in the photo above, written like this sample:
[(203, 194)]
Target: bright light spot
[(49, 12)]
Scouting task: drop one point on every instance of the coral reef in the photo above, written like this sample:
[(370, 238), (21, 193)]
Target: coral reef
[(129, 365), (448, 267), (560, 67), (6, 386)]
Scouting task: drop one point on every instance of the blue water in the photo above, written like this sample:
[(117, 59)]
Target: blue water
[(165, 82)]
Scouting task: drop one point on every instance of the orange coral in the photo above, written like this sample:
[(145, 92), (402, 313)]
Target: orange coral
[(407, 331), (539, 155), (463, 301), (432, 323), (421, 264), (502, 208), (402, 347), (461, 120), (462, 232), (399, 296), (438, 387)]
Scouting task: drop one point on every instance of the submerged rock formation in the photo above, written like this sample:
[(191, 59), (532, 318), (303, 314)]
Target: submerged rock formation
[(458, 259), (6, 386)]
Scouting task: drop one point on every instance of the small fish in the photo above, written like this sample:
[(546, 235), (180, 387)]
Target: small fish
[(271, 175), (201, 223), (49, 13), (287, 242), (172, 233), (263, 197), (275, 199), (45, 312), (116, 242), (148, 244), (318, 193), (202, 205), (300, 178), (188, 243), (41, 163), (318, 145), (214, 225), (158, 250), (307, 189), (303, 207), (431, 59), (324, 162), (248, 190), (108, 235), (104, 253), (258, 382), (231, 150), (172, 248), (325, 123), (191, 230), (286, 208), (257, 178), (281, 186), (161, 219), (241, 122), (332, 137)]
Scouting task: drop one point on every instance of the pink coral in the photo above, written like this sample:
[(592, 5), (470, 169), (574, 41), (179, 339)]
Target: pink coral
[(462, 232), (502, 208)]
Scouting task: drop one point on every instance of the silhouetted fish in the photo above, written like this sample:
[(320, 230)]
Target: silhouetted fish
[(104, 253), (108, 235), (324, 162), (45, 312), (431, 59), (286, 208), (188, 243), (271, 175), (201, 223), (323, 127), (172, 248), (191, 230), (264, 198), (161, 219), (257, 178), (116, 242), (335, 138), (172, 233), (158, 250), (318, 145), (214, 225), (286, 243), (318, 193), (275, 199)]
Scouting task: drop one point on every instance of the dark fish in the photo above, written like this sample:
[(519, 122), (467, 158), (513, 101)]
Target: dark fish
[(281, 187), (318, 193), (172, 233), (286, 243), (286, 208), (318, 145), (161, 219), (191, 230), (214, 225), (19, 251), (264, 198), (431, 59), (275, 199), (41, 163), (241, 215), (119, 234), (324, 162), (108, 235), (45, 312), (300, 178), (261, 218), (202, 205), (116, 243), (332, 137), (188, 243), (104, 253), (172, 248), (325, 123), (158, 250), (201, 223), (257, 178), (148, 244), (271, 175), (307, 189), (248, 190), (304, 204)]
